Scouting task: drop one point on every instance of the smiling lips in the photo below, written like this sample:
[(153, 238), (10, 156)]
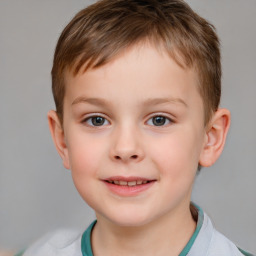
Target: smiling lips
[(130, 186), (128, 183)]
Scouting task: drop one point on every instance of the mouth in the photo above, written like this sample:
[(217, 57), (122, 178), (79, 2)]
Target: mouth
[(128, 186), (129, 183)]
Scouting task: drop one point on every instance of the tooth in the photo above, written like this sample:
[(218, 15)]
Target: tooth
[(123, 183), (116, 182), (139, 182), (132, 183), (144, 182)]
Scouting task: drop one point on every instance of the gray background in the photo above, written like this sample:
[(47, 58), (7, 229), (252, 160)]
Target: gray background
[(36, 192)]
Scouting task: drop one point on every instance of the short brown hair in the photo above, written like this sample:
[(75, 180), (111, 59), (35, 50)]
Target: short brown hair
[(103, 30)]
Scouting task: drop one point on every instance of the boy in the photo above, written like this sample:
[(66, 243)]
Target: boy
[(137, 87)]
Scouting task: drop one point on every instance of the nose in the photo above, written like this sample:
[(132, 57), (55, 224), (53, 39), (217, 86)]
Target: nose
[(127, 146)]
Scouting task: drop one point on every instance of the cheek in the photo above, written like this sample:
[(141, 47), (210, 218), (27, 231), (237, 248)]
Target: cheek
[(85, 155), (176, 155)]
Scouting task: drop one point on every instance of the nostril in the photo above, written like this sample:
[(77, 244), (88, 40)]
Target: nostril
[(132, 157)]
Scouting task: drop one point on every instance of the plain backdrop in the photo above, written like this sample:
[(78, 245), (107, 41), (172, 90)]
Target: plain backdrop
[(36, 192)]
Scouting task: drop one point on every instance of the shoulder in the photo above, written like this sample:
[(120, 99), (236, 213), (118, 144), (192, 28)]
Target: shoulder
[(222, 246), (210, 242), (59, 243)]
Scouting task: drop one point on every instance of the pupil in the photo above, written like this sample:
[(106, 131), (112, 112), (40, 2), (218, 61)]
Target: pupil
[(97, 121), (159, 120)]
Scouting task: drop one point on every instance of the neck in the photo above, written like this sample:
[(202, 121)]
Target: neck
[(167, 235)]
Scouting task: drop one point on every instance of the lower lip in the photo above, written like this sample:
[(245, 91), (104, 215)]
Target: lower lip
[(127, 191)]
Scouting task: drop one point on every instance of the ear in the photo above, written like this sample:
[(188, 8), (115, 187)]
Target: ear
[(215, 137), (58, 137)]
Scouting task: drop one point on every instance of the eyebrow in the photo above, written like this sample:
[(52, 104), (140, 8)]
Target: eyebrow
[(156, 101), (92, 101), (150, 101)]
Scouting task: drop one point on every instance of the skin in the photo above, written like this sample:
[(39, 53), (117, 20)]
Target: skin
[(128, 94)]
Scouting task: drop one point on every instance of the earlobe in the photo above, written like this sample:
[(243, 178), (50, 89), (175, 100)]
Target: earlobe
[(215, 137), (58, 137)]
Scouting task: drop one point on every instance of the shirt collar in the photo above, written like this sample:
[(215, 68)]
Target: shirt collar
[(198, 243)]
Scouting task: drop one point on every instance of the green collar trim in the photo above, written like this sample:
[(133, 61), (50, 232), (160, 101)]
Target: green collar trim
[(86, 240), (20, 253), (199, 224), (245, 253), (86, 237)]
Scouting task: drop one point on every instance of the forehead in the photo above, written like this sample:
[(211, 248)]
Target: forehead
[(142, 70)]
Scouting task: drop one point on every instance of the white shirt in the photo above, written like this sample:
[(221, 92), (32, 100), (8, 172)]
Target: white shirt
[(206, 241)]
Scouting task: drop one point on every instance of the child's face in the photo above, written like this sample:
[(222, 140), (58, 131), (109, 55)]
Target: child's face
[(137, 119)]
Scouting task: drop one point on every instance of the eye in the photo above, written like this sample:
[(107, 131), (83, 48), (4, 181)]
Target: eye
[(158, 121), (96, 121)]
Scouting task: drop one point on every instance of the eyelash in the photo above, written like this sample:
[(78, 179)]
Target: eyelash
[(90, 120), (166, 119)]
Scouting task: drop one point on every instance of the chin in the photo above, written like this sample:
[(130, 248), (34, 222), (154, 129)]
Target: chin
[(130, 220)]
